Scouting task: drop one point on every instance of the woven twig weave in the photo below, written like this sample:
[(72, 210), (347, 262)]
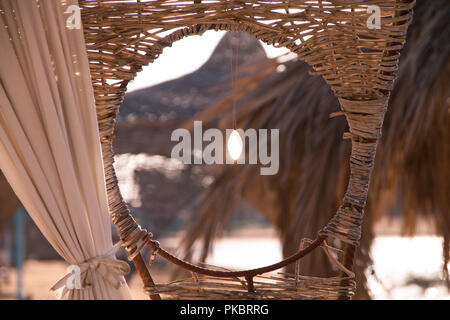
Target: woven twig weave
[(359, 63)]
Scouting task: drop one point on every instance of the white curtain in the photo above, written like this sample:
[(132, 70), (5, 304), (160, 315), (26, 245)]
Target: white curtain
[(49, 141)]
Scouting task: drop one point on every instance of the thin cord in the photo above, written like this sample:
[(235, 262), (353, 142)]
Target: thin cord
[(234, 73), (236, 67)]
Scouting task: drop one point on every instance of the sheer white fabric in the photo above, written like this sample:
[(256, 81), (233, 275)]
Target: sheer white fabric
[(49, 143)]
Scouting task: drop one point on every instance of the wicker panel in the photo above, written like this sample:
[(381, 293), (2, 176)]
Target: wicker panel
[(333, 37)]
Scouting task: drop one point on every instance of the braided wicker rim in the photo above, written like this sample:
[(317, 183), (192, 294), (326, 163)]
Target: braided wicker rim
[(358, 63), (279, 286)]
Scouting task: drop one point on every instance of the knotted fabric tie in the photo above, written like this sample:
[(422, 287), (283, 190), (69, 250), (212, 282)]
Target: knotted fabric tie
[(107, 266)]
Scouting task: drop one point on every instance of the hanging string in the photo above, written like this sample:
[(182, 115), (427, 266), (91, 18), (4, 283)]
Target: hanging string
[(234, 72), (236, 66)]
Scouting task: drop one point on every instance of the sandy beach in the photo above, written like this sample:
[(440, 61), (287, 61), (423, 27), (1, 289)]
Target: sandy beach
[(405, 268)]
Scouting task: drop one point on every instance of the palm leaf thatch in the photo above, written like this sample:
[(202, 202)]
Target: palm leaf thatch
[(412, 165)]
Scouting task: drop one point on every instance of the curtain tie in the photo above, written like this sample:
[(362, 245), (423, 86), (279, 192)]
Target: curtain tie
[(107, 266)]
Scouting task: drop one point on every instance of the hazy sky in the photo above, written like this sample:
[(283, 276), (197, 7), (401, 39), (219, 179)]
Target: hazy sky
[(185, 56)]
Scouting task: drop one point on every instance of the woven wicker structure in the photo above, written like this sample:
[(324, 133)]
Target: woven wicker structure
[(359, 63), (272, 286)]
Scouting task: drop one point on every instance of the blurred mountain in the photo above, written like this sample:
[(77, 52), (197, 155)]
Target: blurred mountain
[(183, 97)]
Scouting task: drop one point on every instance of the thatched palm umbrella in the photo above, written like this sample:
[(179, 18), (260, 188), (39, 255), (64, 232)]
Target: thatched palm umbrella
[(412, 166)]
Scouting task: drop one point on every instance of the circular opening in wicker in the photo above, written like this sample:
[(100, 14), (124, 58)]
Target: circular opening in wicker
[(353, 44)]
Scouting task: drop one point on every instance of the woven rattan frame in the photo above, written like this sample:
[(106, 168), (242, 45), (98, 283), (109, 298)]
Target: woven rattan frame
[(333, 37)]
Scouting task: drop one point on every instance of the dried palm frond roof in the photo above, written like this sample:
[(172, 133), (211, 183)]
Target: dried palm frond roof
[(414, 154), (413, 162), (306, 134), (412, 170)]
